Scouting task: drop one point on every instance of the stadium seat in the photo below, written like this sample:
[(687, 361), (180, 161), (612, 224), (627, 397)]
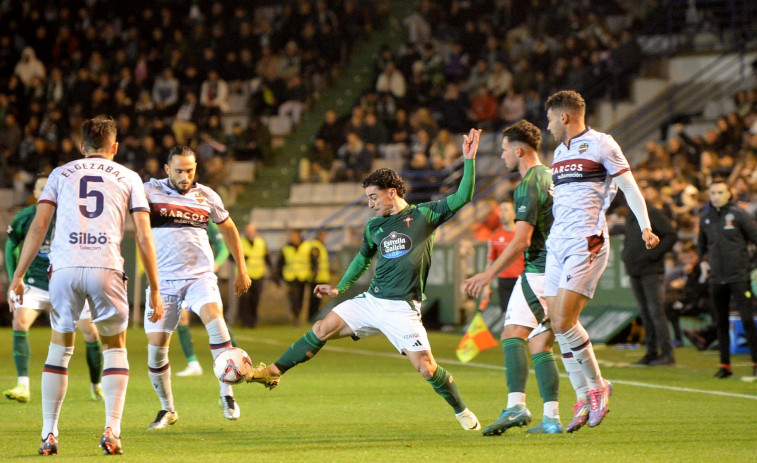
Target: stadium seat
[(242, 171)]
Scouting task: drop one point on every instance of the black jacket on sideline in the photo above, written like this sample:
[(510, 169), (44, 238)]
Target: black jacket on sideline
[(723, 237), (638, 259)]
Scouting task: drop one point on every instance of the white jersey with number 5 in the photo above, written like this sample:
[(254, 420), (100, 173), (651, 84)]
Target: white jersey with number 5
[(93, 197), (582, 172)]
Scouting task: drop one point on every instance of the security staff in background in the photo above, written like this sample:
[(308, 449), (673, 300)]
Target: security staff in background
[(296, 269), (257, 260), (322, 273)]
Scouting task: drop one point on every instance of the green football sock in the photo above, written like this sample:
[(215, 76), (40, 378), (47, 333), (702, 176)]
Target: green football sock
[(187, 346), (231, 336), (94, 360), (21, 352), (444, 385), (546, 375), (516, 363), (301, 351)]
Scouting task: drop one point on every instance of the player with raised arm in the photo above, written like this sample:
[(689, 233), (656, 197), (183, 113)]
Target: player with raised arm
[(179, 212), (90, 199), (403, 236), (587, 169), (37, 299), (526, 322)]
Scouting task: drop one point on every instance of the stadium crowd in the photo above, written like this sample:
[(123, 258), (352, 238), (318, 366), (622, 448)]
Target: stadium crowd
[(168, 71)]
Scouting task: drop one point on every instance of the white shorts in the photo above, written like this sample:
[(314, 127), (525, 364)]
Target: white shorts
[(103, 288), (39, 299), (399, 321), (189, 294), (527, 306), (575, 264)]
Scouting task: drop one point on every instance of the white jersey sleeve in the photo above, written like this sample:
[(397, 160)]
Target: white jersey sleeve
[(93, 196)]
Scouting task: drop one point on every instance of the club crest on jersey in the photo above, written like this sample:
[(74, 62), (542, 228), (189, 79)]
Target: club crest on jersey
[(583, 147), (407, 221), (200, 198), (395, 245)]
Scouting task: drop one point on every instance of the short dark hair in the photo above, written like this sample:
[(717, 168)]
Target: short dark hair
[(524, 132), (98, 131), (566, 99), (385, 179), (180, 150)]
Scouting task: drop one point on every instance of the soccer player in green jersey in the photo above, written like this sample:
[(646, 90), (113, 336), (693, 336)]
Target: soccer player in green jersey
[(37, 299), (526, 324), (402, 235)]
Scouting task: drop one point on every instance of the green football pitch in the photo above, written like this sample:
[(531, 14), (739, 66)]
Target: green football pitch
[(361, 401)]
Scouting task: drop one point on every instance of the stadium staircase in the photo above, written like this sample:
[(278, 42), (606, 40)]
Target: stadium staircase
[(271, 187)]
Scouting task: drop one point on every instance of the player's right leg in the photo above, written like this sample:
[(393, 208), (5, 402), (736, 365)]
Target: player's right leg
[(23, 318), (548, 379), (54, 386), (158, 341), (515, 346), (333, 326)]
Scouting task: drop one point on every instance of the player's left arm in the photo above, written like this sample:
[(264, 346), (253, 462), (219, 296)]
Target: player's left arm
[(635, 201), (748, 226), (32, 242), (242, 281), (464, 193), (617, 165)]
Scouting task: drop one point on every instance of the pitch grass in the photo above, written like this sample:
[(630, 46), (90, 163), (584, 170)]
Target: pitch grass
[(363, 402)]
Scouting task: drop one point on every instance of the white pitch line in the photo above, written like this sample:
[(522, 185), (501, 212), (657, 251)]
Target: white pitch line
[(499, 367)]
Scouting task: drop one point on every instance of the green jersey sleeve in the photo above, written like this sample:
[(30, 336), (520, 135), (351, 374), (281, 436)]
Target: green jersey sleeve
[(528, 203), (215, 237), (16, 233), (438, 212), (360, 263)]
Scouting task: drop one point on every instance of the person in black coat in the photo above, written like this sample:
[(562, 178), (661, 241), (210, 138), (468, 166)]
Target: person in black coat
[(724, 232), (646, 268)]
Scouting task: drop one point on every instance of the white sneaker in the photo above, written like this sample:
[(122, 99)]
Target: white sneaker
[(230, 407), (468, 420), (164, 419), (193, 369)]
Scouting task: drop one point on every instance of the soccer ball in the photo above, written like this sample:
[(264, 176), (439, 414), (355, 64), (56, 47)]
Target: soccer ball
[(232, 365)]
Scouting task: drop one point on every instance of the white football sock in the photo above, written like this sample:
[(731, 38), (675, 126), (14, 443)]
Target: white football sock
[(115, 380), (159, 370), (576, 340), (54, 385), (219, 339)]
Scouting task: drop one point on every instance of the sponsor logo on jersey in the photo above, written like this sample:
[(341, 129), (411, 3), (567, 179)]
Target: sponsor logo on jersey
[(88, 241), (578, 170), (395, 245), (172, 215)]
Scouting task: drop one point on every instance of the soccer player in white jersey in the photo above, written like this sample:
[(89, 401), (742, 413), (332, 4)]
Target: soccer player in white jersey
[(90, 199), (179, 211), (587, 168)]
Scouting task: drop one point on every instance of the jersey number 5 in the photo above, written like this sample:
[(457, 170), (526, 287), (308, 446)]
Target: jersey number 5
[(85, 192)]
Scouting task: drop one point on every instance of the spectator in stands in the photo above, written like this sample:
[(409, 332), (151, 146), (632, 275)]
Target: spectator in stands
[(500, 80), (29, 67), (331, 130), (444, 149), (184, 125), (165, 92), (686, 293), (513, 107), (373, 130), (484, 109), (214, 93), (354, 159), (316, 167), (498, 240), (392, 81), (295, 99)]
